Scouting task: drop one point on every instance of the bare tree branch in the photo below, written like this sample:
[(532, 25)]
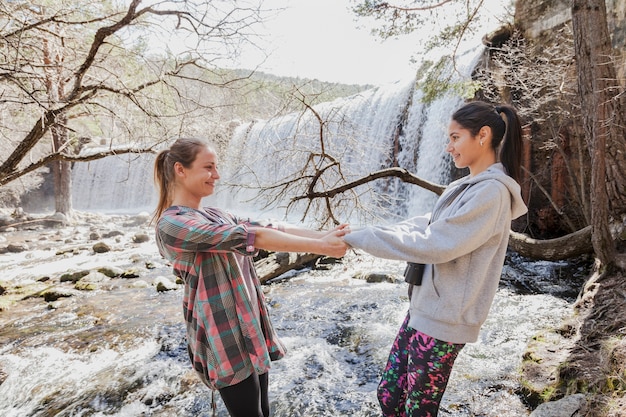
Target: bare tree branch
[(60, 156), (400, 173)]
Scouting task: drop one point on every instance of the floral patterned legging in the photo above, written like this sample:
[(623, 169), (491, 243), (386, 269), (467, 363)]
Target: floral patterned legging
[(416, 374)]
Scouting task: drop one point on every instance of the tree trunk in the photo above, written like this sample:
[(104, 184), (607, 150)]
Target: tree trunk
[(565, 247), (61, 170), (62, 174), (277, 263), (598, 88)]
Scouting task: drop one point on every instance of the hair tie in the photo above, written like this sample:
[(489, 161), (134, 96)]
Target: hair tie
[(502, 114)]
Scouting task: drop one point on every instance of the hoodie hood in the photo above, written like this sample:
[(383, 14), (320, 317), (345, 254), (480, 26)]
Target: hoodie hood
[(497, 172)]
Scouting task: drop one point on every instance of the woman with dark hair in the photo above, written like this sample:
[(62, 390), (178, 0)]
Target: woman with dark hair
[(462, 246), (230, 338)]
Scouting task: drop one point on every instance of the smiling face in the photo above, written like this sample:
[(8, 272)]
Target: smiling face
[(466, 150), (198, 180)]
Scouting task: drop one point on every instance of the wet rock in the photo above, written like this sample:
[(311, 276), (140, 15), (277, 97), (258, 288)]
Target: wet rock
[(2, 289), (141, 238), (73, 276), (101, 247), (91, 281), (138, 220), (94, 236), (54, 294), (17, 247), (5, 220), (140, 283), (137, 258), (112, 233), (375, 277), (86, 286), (57, 219), (111, 271), (130, 273), (164, 284), (571, 405)]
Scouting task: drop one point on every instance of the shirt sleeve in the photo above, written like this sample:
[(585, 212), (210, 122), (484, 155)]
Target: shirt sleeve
[(188, 233)]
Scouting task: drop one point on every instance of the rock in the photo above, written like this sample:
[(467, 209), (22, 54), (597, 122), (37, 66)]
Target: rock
[(101, 247), (164, 284), (140, 283), (138, 220), (94, 236), (5, 220), (55, 293), (90, 281), (571, 405), (73, 276), (86, 286), (137, 258), (111, 271), (129, 273), (56, 219), (141, 238), (17, 247), (374, 277)]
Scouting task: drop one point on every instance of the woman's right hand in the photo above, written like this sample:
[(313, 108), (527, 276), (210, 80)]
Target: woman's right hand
[(333, 244)]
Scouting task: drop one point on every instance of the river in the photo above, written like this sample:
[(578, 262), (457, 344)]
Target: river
[(119, 350)]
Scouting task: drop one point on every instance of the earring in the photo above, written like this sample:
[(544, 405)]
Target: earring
[(481, 143)]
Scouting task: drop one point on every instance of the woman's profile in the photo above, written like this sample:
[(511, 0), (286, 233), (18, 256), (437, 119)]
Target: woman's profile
[(463, 246)]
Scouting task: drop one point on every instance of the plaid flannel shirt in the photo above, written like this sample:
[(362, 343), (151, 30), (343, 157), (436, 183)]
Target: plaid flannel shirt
[(226, 340)]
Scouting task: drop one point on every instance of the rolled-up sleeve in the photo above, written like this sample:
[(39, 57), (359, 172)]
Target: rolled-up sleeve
[(186, 233)]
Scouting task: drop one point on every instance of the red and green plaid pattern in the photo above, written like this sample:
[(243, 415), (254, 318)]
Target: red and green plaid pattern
[(226, 339)]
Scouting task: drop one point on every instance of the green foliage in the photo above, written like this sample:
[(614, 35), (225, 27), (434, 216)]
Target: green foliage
[(437, 80)]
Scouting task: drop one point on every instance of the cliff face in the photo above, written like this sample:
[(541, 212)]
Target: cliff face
[(536, 72), (586, 353), (538, 19)]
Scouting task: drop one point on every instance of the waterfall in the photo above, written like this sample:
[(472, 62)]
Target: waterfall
[(379, 128), (114, 184)]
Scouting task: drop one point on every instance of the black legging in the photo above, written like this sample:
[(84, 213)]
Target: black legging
[(248, 398)]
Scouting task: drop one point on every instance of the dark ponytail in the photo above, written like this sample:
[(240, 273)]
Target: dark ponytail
[(506, 130), (511, 150), (184, 151)]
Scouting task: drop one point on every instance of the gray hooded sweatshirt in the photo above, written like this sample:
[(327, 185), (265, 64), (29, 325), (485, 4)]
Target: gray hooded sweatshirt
[(463, 248)]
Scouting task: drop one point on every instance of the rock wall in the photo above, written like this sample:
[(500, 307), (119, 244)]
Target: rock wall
[(557, 170), (539, 18)]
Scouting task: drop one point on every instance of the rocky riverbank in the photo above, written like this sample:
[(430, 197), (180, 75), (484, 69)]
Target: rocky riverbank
[(584, 360), (52, 259)]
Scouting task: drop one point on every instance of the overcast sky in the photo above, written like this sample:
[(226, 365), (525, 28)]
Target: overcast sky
[(322, 39)]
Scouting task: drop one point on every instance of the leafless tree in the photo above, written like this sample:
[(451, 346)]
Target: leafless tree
[(73, 71)]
